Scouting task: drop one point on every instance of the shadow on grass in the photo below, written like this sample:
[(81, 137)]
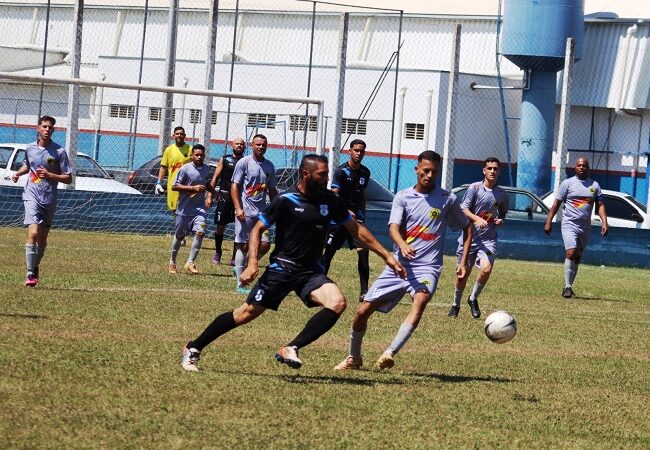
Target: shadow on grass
[(461, 378), (320, 379), (600, 299), (23, 316)]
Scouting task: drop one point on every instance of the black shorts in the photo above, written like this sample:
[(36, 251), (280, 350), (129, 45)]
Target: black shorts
[(225, 213), (339, 235), (280, 278)]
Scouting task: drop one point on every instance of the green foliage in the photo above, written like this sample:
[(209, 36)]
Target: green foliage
[(90, 358)]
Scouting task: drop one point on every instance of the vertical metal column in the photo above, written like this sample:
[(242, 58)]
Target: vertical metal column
[(447, 181), (213, 22), (73, 92), (565, 114), (340, 97), (392, 125), (233, 55), (311, 63), (47, 29), (133, 136), (170, 72)]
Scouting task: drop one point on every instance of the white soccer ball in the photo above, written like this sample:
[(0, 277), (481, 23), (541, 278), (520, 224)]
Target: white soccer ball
[(500, 327)]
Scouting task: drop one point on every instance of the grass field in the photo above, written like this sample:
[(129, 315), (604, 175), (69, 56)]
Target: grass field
[(90, 358)]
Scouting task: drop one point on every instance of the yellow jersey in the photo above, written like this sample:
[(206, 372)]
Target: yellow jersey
[(173, 158)]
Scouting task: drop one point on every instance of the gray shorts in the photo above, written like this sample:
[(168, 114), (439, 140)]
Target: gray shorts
[(389, 288), (574, 236), (186, 225), (243, 230), (479, 250), (35, 213)]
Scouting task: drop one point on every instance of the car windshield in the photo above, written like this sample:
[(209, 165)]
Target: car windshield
[(5, 155), (87, 167), (640, 205), (377, 192)]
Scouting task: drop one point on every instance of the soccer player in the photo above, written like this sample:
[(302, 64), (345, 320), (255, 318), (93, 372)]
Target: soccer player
[(301, 216), (252, 180), (486, 206), (174, 156), (418, 222), (578, 195), (350, 181), (191, 183), (48, 165), (222, 181)]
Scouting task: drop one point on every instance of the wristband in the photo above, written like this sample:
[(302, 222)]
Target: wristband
[(159, 181)]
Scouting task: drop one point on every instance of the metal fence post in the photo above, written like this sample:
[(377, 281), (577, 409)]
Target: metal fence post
[(73, 92), (565, 115), (450, 128), (340, 101), (170, 72)]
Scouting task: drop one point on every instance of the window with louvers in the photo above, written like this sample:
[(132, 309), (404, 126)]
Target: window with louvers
[(122, 111), (354, 126), (297, 123), (155, 114), (414, 131), (195, 115), (261, 120)]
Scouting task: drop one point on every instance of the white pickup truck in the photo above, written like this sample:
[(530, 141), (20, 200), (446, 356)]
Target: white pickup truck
[(90, 175)]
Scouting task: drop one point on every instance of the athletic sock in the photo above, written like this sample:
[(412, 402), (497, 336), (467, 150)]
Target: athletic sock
[(30, 257), (240, 263), (196, 248), (476, 291), (318, 325), (221, 325), (356, 339), (363, 264), (570, 269), (176, 245), (218, 241), (403, 335), (40, 251), (458, 295)]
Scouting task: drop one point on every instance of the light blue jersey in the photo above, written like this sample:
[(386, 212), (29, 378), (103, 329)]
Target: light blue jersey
[(255, 178), (52, 158), (578, 198), (191, 203)]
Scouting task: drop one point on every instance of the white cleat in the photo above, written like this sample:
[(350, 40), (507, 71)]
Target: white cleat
[(190, 359)]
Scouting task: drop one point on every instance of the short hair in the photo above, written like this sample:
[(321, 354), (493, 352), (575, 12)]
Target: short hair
[(179, 128), (491, 159), (358, 142), (429, 155), (198, 147), (46, 119), (261, 136), (310, 160)]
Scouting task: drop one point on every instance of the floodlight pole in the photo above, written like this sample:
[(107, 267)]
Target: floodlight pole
[(170, 73), (73, 93), (565, 115), (213, 21), (335, 153), (447, 181)]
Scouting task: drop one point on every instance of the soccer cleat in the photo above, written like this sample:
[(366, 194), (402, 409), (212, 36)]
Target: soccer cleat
[(385, 361), (568, 292), (289, 356), (453, 311), (172, 268), (473, 305), (349, 363), (216, 259), (31, 280), (191, 268), (190, 359), (242, 290)]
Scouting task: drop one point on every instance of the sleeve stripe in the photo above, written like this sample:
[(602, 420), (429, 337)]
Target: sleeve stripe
[(267, 223)]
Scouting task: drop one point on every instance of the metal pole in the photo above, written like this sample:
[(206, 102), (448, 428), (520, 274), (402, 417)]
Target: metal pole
[(47, 30), (132, 137), (335, 153), (170, 72), (427, 115), (392, 125), (447, 181), (213, 21), (320, 118), (311, 61), (565, 114), (232, 73), (398, 144), (73, 92)]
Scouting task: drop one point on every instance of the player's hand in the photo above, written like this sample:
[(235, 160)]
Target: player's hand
[(461, 271), (396, 266), (239, 213), (407, 251), (604, 229), (208, 202), (14, 178), (481, 223), (159, 189), (249, 274), (547, 228), (199, 188), (42, 173), (498, 221)]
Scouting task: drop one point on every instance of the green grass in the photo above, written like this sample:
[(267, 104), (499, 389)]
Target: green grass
[(90, 359)]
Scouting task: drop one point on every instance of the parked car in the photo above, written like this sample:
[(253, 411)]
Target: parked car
[(377, 196), (145, 178), (524, 204), (623, 210), (90, 175)]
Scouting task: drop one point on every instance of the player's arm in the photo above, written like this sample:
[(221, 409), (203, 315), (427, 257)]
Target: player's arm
[(236, 201), (252, 270), (19, 173), (548, 226), (602, 213), (477, 220), (217, 174), (162, 173), (273, 192), (65, 178), (368, 240), (395, 234), (461, 269)]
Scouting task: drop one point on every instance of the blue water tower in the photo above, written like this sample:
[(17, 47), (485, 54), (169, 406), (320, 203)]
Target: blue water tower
[(534, 38)]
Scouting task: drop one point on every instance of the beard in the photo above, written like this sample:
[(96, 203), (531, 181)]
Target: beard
[(315, 186)]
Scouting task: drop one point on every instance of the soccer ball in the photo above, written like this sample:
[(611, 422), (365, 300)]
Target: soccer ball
[(500, 327)]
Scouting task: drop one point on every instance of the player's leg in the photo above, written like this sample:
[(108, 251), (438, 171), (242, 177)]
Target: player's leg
[(461, 282), (242, 232), (223, 215), (485, 257), (179, 234), (363, 265), (30, 254), (198, 227), (573, 246), (38, 220), (218, 243)]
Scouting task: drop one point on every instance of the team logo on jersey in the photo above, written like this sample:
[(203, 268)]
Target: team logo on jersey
[(362, 181), (49, 160), (487, 216), (419, 232), (580, 203), (592, 189), (324, 210), (255, 190), (427, 283), (434, 213)]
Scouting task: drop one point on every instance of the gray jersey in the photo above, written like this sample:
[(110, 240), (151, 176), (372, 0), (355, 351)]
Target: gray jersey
[(254, 179), (52, 158), (423, 219), (488, 204), (578, 197), (191, 203)]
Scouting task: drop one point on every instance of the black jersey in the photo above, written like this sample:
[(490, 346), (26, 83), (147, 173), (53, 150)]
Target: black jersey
[(301, 224), (225, 179), (351, 183)]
